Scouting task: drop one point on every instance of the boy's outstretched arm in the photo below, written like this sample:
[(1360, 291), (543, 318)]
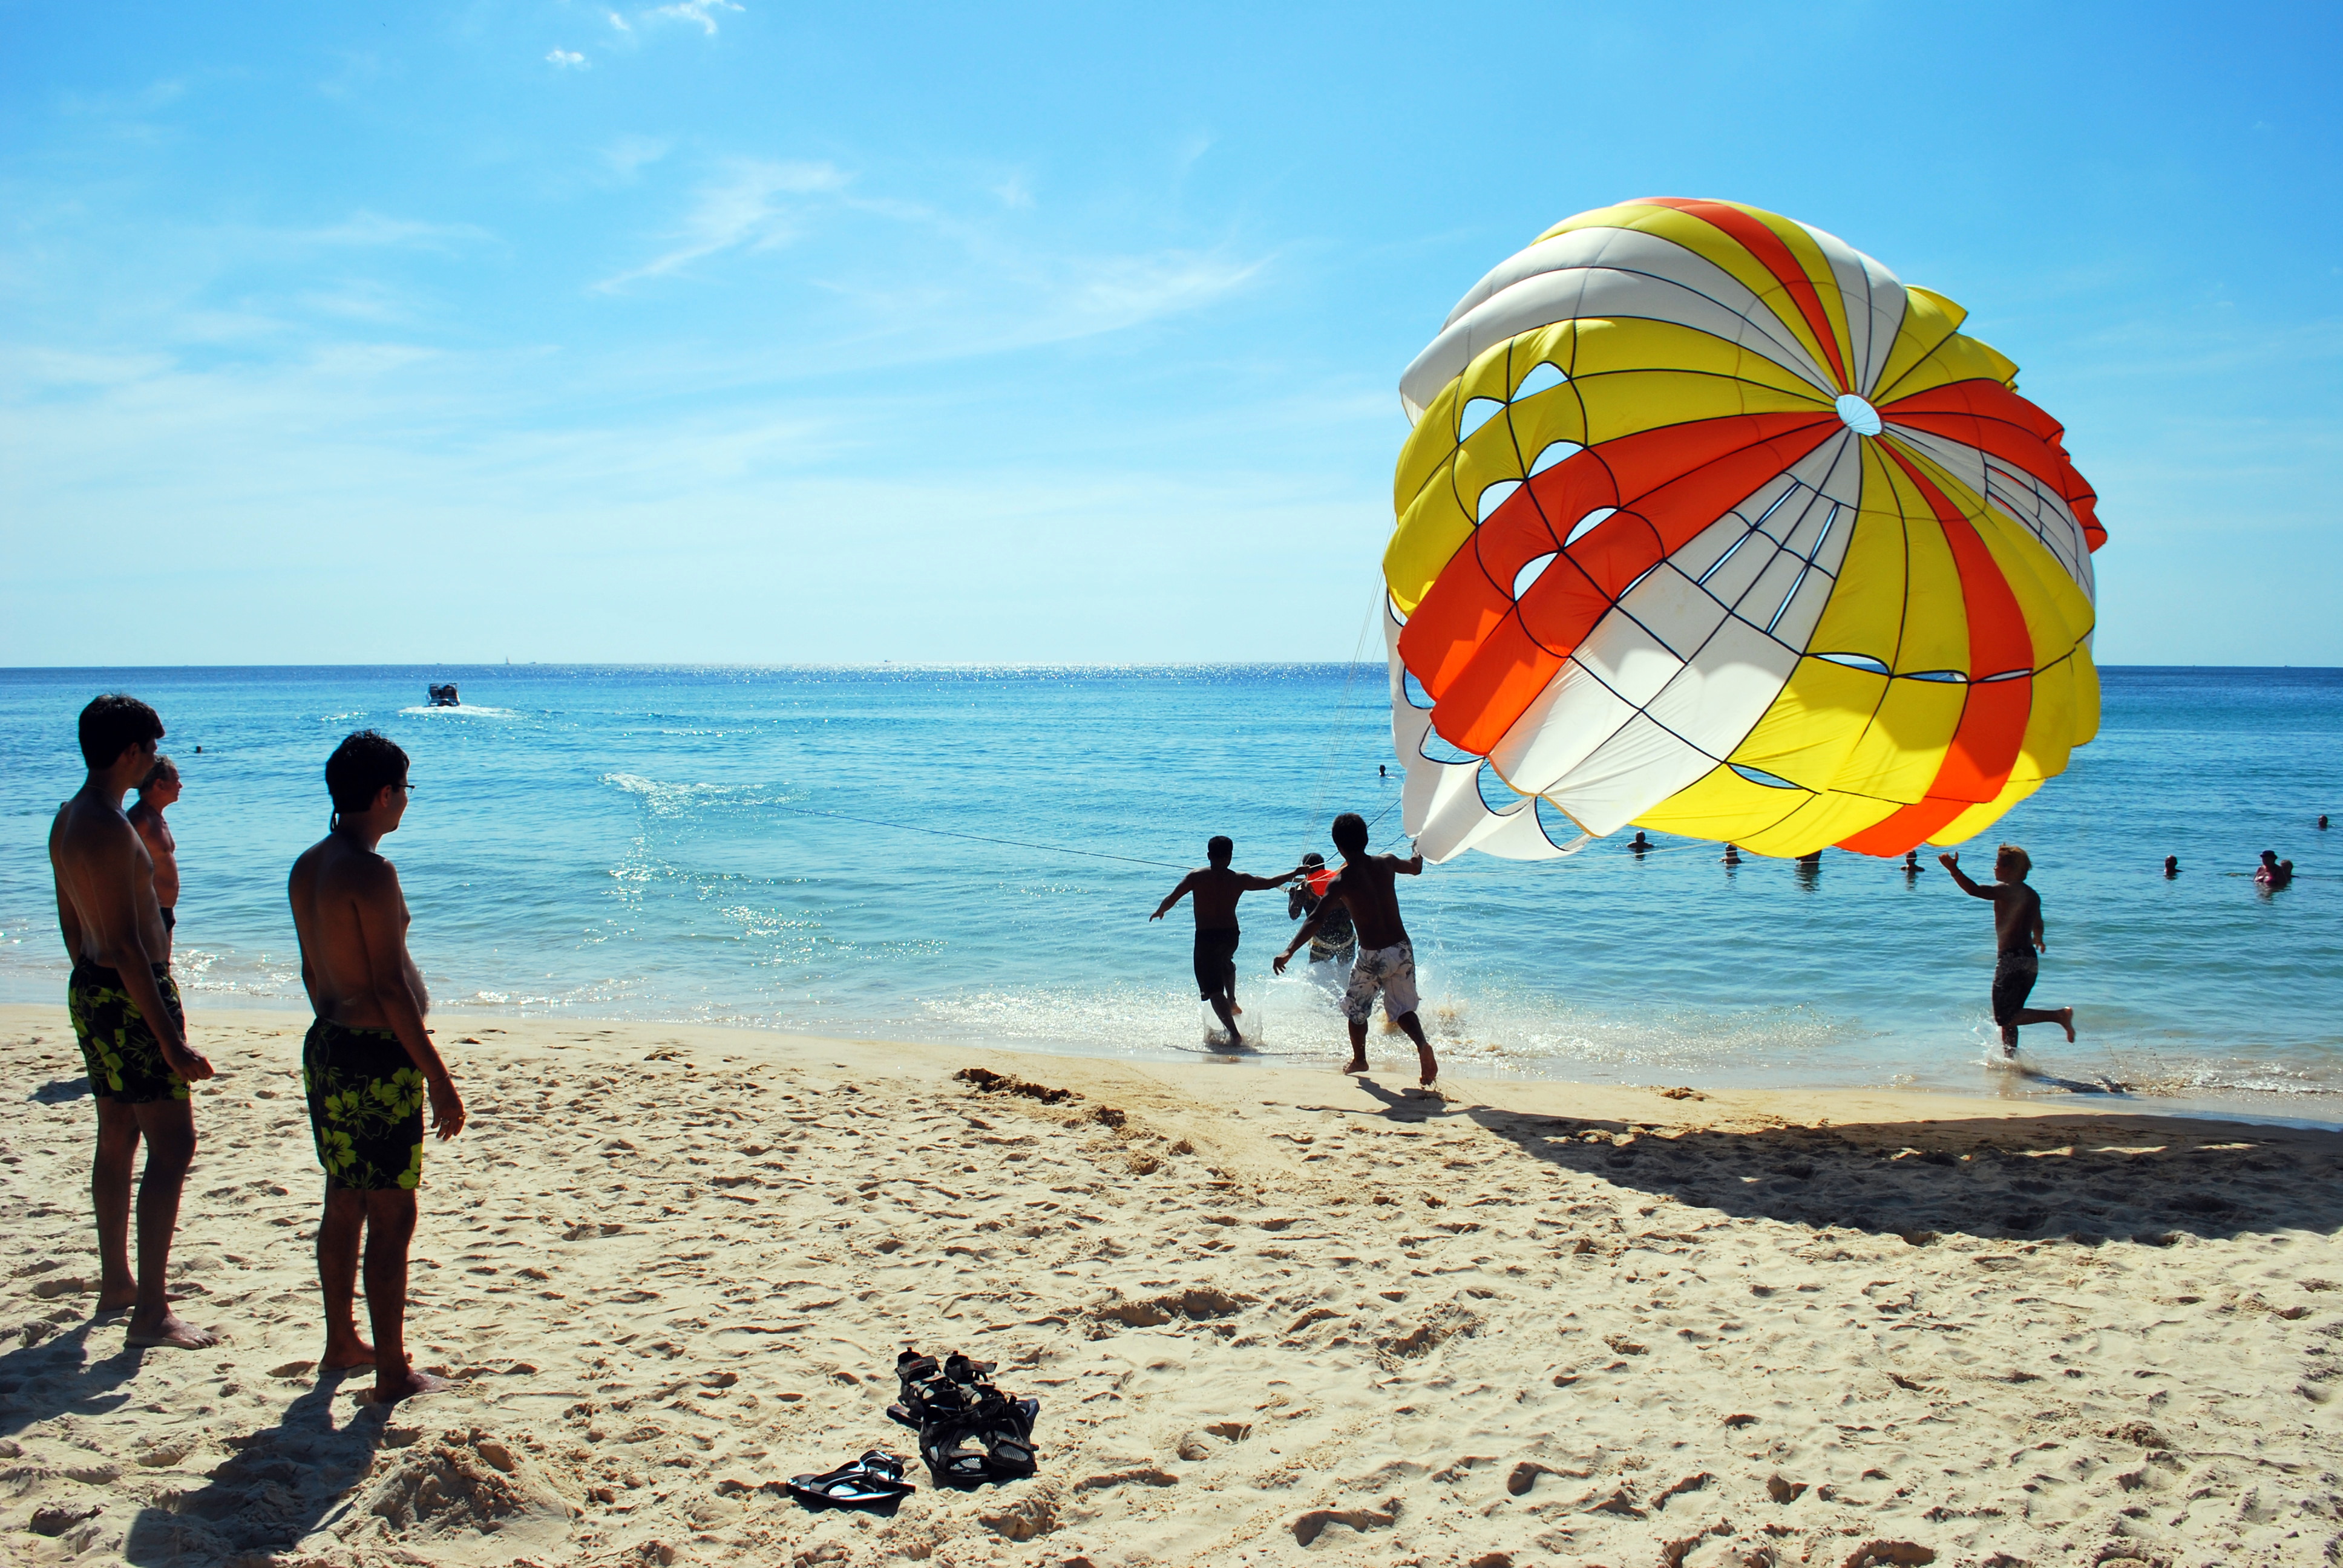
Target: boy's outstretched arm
[(1952, 862), (1252, 884), (1174, 896), (1309, 928)]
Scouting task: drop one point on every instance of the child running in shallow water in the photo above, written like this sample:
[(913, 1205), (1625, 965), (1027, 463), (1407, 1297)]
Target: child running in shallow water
[(2018, 943), (1217, 889), (1386, 960)]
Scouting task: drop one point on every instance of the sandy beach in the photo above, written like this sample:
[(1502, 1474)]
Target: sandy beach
[(1272, 1316)]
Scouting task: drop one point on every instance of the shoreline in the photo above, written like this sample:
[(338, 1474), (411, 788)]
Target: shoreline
[(1273, 1317), (2056, 1094)]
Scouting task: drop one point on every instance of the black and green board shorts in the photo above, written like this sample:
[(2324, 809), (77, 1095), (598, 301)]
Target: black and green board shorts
[(117, 1046), (365, 1108)]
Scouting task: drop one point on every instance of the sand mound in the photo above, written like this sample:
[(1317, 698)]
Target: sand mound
[(466, 1495)]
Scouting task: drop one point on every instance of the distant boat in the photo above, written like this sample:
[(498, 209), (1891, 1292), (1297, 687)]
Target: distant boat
[(445, 696)]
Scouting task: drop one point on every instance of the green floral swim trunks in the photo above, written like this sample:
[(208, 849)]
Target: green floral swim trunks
[(124, 1058), (365, 1108)]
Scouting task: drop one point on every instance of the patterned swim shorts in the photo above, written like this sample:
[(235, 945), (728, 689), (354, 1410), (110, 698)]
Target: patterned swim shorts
[(124, 1058), (365, 1108), (1391, 971)]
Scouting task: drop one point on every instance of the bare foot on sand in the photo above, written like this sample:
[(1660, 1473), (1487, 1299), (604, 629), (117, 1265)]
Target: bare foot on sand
[(170, 1329), (1429, 1065), (2066, 1022), (390, 1391), (341, 1354), (111, 1300), (1357, 1064)]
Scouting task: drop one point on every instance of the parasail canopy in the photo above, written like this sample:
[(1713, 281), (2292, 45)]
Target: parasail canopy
[(1710, 525)]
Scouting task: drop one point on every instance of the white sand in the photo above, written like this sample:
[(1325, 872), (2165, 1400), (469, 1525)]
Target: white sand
[(1273, 1316)]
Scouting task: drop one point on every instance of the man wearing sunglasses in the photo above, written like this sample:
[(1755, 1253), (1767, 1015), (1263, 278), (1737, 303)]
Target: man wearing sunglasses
[(368, 1064)]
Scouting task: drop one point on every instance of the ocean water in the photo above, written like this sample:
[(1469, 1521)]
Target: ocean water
[(767, 847)]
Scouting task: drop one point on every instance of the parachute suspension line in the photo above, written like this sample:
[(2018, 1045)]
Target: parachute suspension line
[(1342, 709), (980, 837)]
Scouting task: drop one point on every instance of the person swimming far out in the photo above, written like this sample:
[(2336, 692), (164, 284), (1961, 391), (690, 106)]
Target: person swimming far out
[(1912, 867), (2272, 872), (1217, 889), (1732, 855), (2018, 942), (1639, 844), (2171, 867), (1335, 942), (1386, 960)]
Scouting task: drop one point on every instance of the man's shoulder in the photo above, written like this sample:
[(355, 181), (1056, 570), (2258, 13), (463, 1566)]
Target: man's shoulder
[(84, 825)]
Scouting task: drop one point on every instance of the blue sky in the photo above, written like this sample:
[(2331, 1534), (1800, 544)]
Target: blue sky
[(756, 332)]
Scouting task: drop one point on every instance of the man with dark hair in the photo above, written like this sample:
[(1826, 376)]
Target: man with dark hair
[(157, 792), (1217, 891), (2018, 942), (368, 1064), (126, 1014), (1386, 960)]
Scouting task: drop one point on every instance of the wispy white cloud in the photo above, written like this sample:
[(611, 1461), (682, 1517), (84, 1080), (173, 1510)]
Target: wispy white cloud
[(569, 60), (700, 11), (628, 155), (745, 209), (367, 229), (619, 22)]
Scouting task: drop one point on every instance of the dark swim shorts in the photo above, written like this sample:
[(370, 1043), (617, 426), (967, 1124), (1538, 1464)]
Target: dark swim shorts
[(124, 1058), (365, 1108), (1215, 951), (2014, 975)]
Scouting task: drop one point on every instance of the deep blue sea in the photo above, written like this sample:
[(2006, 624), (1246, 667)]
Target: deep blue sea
[(668, 842)]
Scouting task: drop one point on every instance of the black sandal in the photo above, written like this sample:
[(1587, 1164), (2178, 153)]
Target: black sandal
[(928, 1394), (875, 1478), (952, 1459)]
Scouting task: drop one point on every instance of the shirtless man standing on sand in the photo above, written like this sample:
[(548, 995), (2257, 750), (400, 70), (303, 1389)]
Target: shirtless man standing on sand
[(368, 1065), (1386, 960), (126, 1013), (2018, 942), (1217, 891), (157, 791)]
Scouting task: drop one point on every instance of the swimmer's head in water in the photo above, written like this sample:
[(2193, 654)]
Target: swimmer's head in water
[(1219, 848), (2013, 858), (2269, 857), (1351, 833), (361, 768)]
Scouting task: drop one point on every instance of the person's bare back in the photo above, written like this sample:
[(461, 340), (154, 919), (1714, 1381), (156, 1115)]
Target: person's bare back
[(352, 919), (1367, 886)]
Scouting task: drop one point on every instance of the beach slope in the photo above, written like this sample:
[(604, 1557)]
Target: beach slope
[(1271, 1317)]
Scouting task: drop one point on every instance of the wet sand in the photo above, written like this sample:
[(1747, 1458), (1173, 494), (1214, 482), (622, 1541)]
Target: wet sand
[(1272, 1316)]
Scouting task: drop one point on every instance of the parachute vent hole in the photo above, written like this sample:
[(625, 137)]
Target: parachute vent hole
[(1531, 572), (1786, 599), (1496, 496), (1759, 776), (1476, 412), (1496, 794), (1413, 688), (1555, 452), (1856, 661), (1436, 747), (1545, 376), (2005, 675), (1587, 525), (1554, 822), (1730, 550), (1941, 676)]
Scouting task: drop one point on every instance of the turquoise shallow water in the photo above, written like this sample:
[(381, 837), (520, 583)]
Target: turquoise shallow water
[(641, 842)]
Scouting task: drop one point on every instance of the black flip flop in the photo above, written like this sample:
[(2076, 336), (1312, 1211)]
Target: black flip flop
[(876, 1477)]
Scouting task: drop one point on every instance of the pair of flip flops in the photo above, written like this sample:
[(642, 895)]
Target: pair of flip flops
[(875, 1478), (969, 1432)]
